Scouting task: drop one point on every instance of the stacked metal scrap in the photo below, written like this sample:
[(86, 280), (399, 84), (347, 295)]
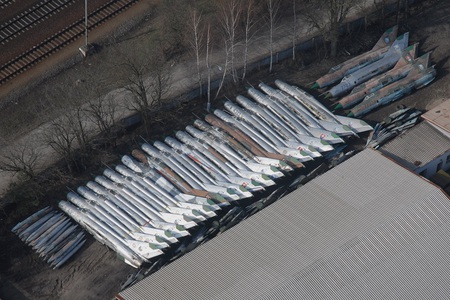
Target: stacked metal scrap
[(145, 208), (392, 125), (52, 235)]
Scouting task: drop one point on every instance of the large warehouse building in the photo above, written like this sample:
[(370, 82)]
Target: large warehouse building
[(367, 229)]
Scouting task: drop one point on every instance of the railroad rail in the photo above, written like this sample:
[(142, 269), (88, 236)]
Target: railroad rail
[(5, 3), (30, 18), (60, 39)]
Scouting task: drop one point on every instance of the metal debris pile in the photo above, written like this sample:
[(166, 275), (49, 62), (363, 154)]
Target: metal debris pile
[(392, 126), (167, 195), (52, 235)]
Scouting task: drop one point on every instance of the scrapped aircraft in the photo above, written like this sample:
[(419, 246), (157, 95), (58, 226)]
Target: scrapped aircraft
[(417, 78), (21, 226), (353, 125), (400, 70), (286, 125), (218, 170), (250, 143), (176, 179), (261, 137), (145, 205), (132, 253), (389, 59), (306, 152), (52, 235), (301, 120), (378, 51), (194, 177), (159, 239), (239, 157)]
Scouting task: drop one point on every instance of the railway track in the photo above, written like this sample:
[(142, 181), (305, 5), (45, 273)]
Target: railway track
[(5, 3), (60, 39), (30, 18)]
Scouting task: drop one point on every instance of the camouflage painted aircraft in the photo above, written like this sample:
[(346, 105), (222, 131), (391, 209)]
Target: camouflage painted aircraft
[(417, 78), (400, 70), (378, 67), (336, 73)]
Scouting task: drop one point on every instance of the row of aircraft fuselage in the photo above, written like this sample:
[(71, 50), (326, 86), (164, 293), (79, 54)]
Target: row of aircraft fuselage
[(52, 235), (380, 76), (144, 205)]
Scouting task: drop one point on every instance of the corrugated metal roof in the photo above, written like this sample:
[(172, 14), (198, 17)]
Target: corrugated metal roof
[(417, 146), (336, 237), (403, 258), (439, 115)]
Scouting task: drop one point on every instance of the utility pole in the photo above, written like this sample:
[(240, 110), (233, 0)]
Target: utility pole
[(85, 24), (86, 48)]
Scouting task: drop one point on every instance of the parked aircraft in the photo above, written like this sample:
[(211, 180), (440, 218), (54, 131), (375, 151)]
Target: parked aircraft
[(417, 78), (400, 70), (301, 116), (231, 148), (250, 143), (389, 59), (320, 111), (227, 158), (307, 152), (177, 180), (286, 126), (336, 73), (103, 236)]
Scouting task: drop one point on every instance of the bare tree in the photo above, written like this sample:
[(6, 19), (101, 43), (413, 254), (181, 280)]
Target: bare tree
[(249, 32), (60, 137), (173, 15), (380, 10), (196, 43), (294, 28), (21, 158), (102, 111), (402, 11), (71, 130), (78, 120), (327, 16), (94, 106), (135, 82), (159, 83), (272, 17), (224, 69), (147, 79), (230, 14), (208, 65)]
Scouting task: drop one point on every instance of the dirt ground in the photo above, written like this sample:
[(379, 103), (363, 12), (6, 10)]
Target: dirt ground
[(96, 273)]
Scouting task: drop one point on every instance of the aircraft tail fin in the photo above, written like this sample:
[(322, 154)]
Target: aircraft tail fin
[(400, 43), (421, 62), (387, 38), (424, 59), (408, 56), (414, 71)]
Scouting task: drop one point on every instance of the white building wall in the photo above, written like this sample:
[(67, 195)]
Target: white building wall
[(441, 162)]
